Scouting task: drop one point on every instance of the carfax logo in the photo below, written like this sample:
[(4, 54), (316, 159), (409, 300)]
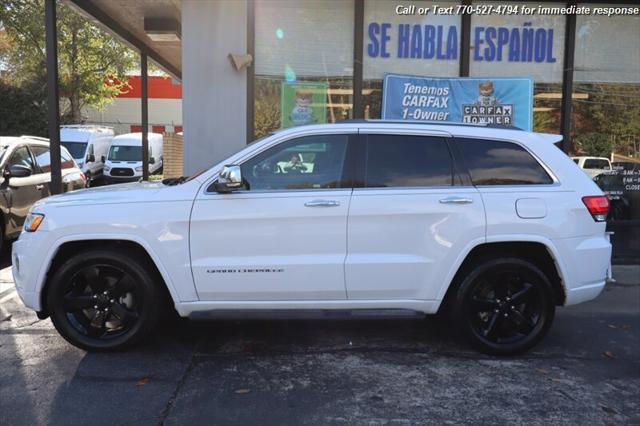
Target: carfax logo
[(487, 109)]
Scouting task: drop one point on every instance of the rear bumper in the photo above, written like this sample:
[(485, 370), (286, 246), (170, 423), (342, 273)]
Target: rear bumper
[(586, 262), (584, 293)]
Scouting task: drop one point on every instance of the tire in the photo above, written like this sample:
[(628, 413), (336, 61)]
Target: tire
[(504, 305), (104, 300)]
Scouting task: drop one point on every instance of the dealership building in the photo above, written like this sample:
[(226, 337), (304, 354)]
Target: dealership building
[(236, 57)]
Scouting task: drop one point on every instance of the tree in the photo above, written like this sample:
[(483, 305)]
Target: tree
[(595, 144), (88, 57), (23, 110)]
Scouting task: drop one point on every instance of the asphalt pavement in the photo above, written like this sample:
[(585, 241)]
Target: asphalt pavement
[(343, 370)]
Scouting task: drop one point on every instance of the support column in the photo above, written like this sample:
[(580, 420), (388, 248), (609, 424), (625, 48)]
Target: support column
[(144, 99), (567, 81), (465, 42), (358, 45), (52, 95)]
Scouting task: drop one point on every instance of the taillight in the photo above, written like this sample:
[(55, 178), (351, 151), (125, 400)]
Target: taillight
[(598, 206)]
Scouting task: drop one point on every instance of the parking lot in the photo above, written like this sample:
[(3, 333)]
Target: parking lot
[(360, 370)]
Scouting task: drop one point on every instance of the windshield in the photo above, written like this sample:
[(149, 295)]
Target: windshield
[(125, 153), (76, 149)]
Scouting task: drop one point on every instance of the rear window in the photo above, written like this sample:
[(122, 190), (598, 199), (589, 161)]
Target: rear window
[(501, 163), (407, 161), (593, 163)]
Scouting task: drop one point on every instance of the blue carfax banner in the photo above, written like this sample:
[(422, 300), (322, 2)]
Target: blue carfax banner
[(498, 101)]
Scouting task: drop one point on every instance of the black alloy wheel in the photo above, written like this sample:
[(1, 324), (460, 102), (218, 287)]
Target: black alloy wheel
[(104, 300), (100, 301), (505, 306)]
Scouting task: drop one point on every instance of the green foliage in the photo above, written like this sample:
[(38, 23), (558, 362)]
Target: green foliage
[(87, 56), (595, 144), (23, 110), (267, 106), (611, 109)]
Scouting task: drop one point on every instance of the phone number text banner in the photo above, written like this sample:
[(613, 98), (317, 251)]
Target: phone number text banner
[(498, 101)]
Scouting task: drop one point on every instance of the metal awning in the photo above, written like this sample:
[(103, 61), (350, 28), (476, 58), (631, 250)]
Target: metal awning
[(125, 19)]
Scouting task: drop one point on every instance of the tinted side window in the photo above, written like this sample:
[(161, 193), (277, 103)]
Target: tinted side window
[(310, 162), (67, 159), (501, 163), (407, 161), (22, 156), (43, 158)]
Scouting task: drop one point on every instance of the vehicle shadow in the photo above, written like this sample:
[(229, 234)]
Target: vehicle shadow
[(144, 380)]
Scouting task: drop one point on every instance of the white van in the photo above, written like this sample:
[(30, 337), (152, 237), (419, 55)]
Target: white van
[(87, 145), (123, 162)]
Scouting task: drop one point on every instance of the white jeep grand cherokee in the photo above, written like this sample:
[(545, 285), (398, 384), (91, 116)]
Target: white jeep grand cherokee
[(496, 226)]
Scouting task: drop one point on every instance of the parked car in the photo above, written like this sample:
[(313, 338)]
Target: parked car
[(496, 227), (26, 177), (87, 144), (593, 166), (124, 160)]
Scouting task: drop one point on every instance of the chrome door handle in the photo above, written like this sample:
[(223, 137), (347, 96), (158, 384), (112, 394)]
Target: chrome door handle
[(322, 203), (39, 187), (456, 200)]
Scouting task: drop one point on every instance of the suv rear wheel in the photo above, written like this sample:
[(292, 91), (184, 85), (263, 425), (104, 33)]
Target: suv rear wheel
[(504, 305), (103, 300)]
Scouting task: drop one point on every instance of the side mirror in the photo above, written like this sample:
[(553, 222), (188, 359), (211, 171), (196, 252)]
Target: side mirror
[(152, 160), (91, 158), (103, 159), (17, 171), (229, 180)]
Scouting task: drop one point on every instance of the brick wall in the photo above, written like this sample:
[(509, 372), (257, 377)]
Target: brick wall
[(173, 155)]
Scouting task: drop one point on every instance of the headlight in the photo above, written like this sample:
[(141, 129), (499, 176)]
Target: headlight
[(33, 221), (139, 169), (107, 168)]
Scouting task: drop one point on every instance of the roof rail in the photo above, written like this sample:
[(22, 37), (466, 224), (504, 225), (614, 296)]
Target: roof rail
[(86, 126), (439, 123), (37, 138)]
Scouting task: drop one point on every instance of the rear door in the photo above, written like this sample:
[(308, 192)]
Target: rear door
[(410, 220)]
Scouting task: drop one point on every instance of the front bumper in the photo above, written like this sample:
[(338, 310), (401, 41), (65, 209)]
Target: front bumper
[(26, 266)]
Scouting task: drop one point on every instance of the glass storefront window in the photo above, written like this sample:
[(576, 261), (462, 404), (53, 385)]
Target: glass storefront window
[(523, 46), (605, 115), (406, 44), (304, 63)]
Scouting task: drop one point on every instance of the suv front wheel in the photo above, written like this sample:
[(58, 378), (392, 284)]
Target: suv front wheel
[(504, 305), (103, 300)]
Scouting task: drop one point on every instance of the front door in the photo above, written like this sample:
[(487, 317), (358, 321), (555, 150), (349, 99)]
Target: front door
[(21, 192), (282, 237), (411, 221)]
